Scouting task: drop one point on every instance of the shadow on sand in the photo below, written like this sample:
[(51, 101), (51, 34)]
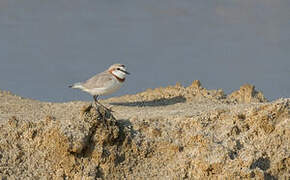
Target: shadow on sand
[(157, 102)]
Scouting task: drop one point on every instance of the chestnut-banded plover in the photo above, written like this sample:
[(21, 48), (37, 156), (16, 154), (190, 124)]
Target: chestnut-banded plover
[(104, 83)]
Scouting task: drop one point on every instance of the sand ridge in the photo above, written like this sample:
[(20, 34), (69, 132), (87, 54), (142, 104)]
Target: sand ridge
[(173, 132)]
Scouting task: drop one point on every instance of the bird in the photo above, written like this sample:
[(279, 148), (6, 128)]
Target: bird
[(104, 83)]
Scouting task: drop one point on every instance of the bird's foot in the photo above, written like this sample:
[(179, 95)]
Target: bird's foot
[(101, 105)]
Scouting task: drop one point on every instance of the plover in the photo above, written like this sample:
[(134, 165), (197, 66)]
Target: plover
[(104, 83)]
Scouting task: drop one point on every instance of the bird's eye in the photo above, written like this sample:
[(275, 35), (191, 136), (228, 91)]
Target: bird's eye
[(118, 69)]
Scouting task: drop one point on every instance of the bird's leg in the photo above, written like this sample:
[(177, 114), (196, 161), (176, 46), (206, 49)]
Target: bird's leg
[(98, 103), (96, 99)]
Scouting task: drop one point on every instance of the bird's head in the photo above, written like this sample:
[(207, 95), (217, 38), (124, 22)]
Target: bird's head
[(119, 71)]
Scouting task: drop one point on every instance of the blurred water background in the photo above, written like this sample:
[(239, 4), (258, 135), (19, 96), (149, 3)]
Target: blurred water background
[(47, 45)]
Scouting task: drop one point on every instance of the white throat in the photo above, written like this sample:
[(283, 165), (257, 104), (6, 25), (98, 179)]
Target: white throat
[(119, 74)]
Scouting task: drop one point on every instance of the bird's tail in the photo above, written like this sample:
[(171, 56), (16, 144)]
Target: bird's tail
[(76, 85)]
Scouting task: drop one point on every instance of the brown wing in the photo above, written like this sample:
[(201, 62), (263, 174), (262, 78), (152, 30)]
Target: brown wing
[(99, 81)]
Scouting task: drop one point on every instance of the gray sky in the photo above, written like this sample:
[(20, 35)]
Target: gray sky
[(47, 45)]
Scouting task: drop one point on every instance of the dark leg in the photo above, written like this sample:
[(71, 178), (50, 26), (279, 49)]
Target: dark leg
[(98, 103), (96, 99)]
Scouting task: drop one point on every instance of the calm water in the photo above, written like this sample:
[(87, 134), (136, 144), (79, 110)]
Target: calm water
[(47, 45)]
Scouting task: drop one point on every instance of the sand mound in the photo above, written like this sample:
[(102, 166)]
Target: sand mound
[(174, 132), (246, 94)]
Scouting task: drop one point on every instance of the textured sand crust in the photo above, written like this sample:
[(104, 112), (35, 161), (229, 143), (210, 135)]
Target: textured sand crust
[(167, 133)]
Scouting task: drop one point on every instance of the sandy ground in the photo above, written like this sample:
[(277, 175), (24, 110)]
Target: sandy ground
[(173, 132)]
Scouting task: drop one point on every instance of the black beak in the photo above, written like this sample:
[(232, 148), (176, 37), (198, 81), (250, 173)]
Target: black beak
[(126, 72)]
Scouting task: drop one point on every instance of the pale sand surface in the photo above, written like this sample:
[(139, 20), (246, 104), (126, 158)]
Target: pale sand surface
[(173, 132)]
